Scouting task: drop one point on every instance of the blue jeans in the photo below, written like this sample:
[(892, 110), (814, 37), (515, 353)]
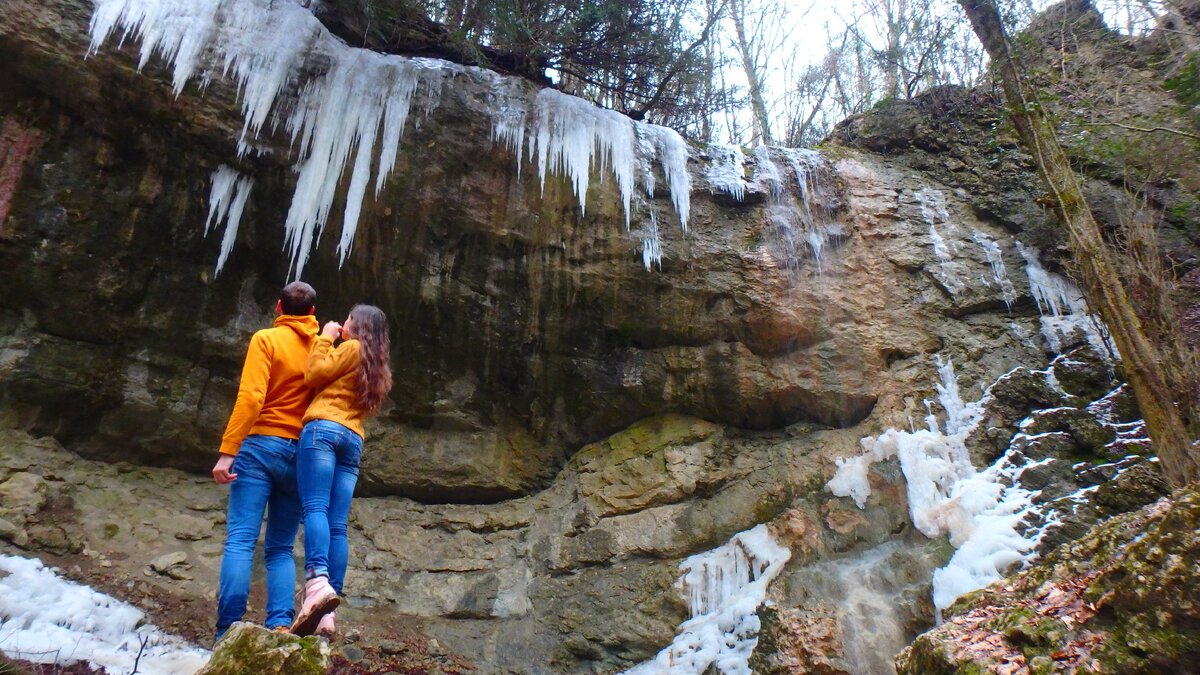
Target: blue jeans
[(327, 469), (266, 482)]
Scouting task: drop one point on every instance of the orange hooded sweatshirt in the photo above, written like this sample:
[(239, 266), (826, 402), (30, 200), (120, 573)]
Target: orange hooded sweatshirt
[(333, 374), (271, 396)]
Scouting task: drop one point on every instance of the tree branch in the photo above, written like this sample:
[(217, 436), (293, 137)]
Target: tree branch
[(1145, 130)]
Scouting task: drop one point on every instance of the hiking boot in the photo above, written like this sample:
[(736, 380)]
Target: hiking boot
[(319, 599), (326, 627)]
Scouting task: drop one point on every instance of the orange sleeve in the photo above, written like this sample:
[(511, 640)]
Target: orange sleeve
[(326, 364), (252, 392)]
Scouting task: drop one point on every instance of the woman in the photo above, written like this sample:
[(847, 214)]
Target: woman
[(352, 381)]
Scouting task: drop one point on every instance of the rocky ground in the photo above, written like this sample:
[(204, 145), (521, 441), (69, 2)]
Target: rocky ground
[(1122, 599)]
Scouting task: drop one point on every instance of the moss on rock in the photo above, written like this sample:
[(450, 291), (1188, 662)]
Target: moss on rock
[(247, 649), (1123, 599)]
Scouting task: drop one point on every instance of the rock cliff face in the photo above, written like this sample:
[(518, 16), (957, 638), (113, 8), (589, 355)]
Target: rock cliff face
[(567, 427), (523, 328)]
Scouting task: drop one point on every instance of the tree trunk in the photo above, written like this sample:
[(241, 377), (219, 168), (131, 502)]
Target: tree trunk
[(758, 105), (1105, 293)]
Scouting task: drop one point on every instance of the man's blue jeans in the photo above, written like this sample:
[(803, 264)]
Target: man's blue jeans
[(266, 482), (327, 469)]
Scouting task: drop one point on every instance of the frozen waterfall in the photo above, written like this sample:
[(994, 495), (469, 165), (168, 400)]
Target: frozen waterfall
[(981, 511), (724, 588), (351, 115), (933, 210)]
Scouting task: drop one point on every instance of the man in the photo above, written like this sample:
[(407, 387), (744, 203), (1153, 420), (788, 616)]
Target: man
[(258, 460)]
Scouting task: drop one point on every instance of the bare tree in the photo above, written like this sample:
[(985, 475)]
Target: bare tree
[(1142, 359), (758, 38)]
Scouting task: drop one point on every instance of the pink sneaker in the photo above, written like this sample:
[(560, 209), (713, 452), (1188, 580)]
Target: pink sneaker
[(319, 599), (326, 628)]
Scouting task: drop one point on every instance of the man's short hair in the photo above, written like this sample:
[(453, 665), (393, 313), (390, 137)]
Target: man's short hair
[(297, 298)]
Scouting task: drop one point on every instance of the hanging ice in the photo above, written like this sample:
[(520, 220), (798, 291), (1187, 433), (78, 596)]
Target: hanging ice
[(727, 173), (934, 212), (995, 258), (46, 619), (724, 588), (226, 201), (799, 222), (346, 108), (805, 163), (768, 173), (981, 512), (652, 246), (1062, 307)]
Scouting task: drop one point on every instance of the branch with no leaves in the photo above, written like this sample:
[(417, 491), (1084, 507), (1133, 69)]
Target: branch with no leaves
[(1145, 130)]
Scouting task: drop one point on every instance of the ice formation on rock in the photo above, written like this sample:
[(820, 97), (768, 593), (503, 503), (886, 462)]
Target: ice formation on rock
[(226, 201), (727, 173), (981, 512), (995, 258), (346, 108), (800, 224), (46, 619), (1062, 307), (724, 588), (934, 212)]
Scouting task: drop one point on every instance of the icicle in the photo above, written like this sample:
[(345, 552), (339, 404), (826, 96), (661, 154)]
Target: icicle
[(672, 153), (226, 201), (727, 172), (361, 99), (1062, 307), (724, 588), (995, 258), (652, 246)]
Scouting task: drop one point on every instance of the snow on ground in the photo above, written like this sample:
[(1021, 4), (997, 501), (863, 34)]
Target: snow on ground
[(47, 619)]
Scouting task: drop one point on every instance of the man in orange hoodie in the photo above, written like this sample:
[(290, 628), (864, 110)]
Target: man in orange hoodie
[(258, 460)]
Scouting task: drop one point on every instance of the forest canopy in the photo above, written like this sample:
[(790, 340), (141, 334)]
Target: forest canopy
[(732, 71)]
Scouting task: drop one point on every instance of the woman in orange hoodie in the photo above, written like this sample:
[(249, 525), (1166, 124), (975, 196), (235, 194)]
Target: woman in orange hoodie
[(352, 381)]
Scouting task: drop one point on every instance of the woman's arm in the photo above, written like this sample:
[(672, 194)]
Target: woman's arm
[(326, 363)]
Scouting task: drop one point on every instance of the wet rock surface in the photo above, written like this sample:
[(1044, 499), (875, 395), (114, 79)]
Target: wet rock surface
[(119, 341)]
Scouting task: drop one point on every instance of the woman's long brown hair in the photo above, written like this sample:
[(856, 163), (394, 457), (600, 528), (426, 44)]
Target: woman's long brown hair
[(374, 362)]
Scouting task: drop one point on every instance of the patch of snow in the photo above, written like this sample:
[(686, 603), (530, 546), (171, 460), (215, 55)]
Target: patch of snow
[(47, 619)]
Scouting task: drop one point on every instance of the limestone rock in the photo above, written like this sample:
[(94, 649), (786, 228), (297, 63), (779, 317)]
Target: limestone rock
[(249, 649)]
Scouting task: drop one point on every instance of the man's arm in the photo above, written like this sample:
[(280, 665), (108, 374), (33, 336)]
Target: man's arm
[(252, 393)]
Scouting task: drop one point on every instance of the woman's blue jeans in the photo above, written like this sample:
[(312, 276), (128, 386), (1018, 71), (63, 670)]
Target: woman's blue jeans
[(266, 483), (327, 470)]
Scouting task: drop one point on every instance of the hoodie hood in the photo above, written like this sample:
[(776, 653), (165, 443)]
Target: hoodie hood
[(305, 326)]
